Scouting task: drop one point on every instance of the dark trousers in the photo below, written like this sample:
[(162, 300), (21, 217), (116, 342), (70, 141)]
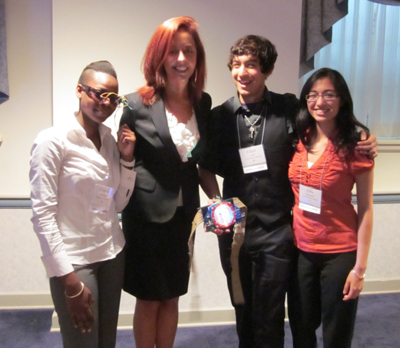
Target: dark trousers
[(104, 279), (317, 295), (265, 263)]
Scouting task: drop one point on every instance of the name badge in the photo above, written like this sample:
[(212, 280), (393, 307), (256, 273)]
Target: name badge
[(253, 159), (310, 199), (101, 200)]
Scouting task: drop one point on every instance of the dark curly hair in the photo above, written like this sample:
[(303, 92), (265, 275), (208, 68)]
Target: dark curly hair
[(347, 124), (257, 46)]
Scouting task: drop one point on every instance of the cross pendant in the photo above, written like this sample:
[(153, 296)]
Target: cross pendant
[(251, 132)]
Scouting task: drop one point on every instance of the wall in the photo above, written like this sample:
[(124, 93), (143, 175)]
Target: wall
[(125, 37), (28, 110)]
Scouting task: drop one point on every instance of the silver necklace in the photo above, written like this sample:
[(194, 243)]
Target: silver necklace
[(252, 129)]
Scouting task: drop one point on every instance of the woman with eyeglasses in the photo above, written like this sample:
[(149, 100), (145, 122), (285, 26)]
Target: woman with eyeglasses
[(332, 238), (168, 116), (80, 177)]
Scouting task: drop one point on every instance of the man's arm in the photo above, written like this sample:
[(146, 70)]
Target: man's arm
[(368, 147), (208, 183)]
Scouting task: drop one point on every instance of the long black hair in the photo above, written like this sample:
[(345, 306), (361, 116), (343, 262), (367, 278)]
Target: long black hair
[(347, 124)]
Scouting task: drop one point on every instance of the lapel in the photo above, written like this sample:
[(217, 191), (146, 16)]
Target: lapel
[(262, 132), (201, 124), (272, 127), (157, 114), (159, 118)]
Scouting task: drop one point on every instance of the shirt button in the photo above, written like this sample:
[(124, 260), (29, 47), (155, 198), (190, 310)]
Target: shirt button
[(107, 225)]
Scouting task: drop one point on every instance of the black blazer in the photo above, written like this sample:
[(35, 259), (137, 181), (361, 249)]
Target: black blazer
[(160, 170)]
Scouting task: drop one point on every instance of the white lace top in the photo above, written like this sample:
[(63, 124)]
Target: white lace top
[(184, 136)]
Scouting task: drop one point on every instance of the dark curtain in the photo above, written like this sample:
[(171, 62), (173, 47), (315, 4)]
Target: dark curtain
[(318, 17), (4, 92)]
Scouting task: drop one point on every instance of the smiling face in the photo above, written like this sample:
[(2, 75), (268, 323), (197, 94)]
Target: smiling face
[(180, 62), (248, 78), (324, 110), (93, 109)]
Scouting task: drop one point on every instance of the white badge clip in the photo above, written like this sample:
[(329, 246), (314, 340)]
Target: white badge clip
[(310, 199), (101, 200), (253, 159)]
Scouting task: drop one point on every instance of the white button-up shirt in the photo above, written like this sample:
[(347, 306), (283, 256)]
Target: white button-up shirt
[(65, 168)]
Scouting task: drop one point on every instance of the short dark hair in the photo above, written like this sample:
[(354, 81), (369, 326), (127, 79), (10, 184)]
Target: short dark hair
[(347, 124), (258, 47), (103, 66)]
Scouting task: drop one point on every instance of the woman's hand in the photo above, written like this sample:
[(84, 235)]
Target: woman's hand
[(126, 143), (80, 310), (353, 286), (79, 302)]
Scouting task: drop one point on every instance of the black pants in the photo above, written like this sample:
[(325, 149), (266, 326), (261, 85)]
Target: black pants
[(317, 295), (265, 263)]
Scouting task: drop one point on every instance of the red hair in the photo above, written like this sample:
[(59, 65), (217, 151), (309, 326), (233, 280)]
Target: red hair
[(156, 53)]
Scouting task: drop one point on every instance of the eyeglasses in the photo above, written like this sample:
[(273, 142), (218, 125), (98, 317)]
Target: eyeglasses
[(100, 94), (328, 96)]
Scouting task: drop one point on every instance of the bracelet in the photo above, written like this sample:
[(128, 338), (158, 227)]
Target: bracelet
[(360, 277), (217, 197), (79, 293), (126, 163)]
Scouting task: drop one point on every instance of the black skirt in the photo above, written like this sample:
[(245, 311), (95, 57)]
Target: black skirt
[(157, 259)]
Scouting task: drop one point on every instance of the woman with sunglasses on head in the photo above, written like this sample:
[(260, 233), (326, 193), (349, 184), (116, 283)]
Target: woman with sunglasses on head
[(332, 238), (168, 116), (80, 177)]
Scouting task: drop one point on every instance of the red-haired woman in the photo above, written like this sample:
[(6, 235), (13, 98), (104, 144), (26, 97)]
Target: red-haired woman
[(169, 117)]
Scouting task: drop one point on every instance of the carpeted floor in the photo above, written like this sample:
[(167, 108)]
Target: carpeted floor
[(378, 324)]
